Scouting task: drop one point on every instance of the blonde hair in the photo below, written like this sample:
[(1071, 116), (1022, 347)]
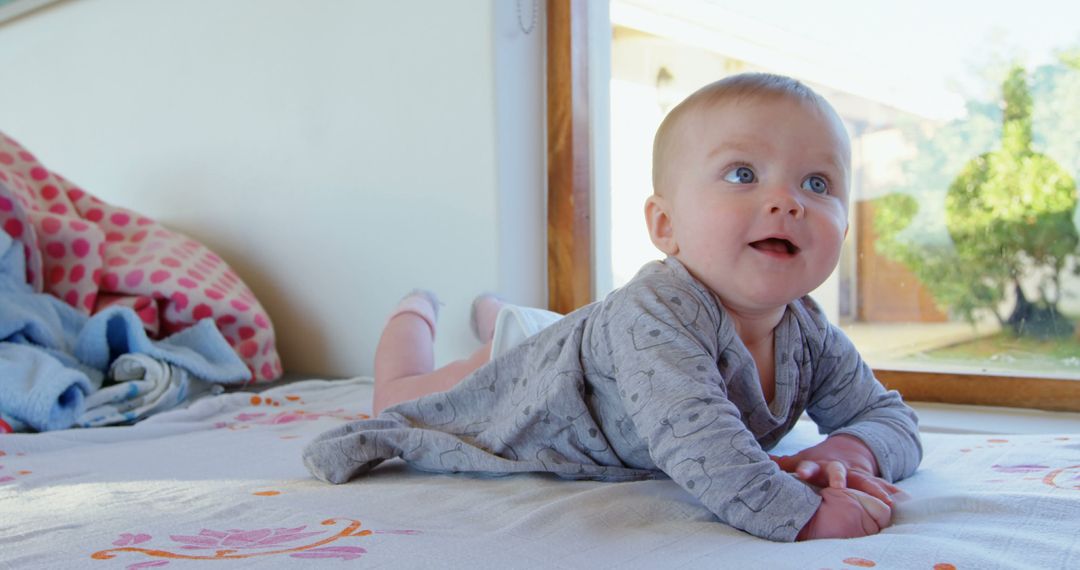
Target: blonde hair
[(733, 88)]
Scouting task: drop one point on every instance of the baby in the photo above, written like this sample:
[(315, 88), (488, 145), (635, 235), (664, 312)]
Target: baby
[(693, 369)]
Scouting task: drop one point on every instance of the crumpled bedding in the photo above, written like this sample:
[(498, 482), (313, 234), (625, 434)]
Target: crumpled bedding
[(52, 356), (83, 283), (141, 386), (93, 255), (221, 483)]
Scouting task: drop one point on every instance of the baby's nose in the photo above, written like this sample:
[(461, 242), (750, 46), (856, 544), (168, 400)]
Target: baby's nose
[(783, 201)]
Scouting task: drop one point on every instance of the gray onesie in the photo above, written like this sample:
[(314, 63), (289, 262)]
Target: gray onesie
[(652, 380)]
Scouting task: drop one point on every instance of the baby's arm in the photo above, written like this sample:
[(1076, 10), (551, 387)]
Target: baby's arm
[(882, 437)]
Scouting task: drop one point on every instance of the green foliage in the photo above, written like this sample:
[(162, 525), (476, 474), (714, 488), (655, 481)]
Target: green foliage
[(1070, 58), (1056, 116), (1008, 212), (960, 287)]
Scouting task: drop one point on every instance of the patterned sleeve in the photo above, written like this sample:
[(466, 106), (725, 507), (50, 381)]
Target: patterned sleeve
[(847, 399), (664, 343)]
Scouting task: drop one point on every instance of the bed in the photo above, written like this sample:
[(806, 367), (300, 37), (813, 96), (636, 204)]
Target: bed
[(220, 483)]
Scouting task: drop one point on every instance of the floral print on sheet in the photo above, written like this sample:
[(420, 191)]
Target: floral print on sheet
[(244, 420), (9, 474), (859, 562), (1024, 470), (338, 541), (1066, 477)]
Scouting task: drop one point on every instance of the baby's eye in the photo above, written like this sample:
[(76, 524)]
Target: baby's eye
[(815, 184), (740, 175)]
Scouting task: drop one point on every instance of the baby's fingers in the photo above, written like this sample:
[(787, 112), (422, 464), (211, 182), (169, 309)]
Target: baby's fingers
[(877, 510), (889, 487), (807, 470), (875, 487), (786, 462), (832, 474), (837, 474)]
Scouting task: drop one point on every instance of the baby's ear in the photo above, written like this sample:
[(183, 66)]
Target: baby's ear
[(661, 227)]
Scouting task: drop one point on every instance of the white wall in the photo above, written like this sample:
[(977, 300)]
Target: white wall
[(336, 153), (600, 143)]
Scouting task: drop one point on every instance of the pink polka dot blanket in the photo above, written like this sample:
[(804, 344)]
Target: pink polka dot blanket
[(93, 256)]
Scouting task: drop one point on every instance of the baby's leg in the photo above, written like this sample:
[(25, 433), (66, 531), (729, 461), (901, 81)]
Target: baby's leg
[(404, 358), (485, 310)]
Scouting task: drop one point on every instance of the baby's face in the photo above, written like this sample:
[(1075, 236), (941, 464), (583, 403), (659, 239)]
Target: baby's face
[(759, 199)]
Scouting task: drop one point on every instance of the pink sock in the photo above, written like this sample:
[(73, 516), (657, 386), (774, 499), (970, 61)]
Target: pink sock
[(422, 303), (485, 307)]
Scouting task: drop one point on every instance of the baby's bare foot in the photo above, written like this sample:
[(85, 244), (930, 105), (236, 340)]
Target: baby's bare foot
[(419, 302), (485, 308)]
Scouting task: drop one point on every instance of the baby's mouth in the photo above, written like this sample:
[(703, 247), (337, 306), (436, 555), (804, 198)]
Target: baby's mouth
[(775, 245)]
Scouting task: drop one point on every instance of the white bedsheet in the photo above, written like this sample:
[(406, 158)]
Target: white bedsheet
[(221, 485)]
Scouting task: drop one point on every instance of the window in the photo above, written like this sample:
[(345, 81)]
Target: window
[(964, 144), (11, 9)]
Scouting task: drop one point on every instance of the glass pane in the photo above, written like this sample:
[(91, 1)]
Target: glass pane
[(963, 248)]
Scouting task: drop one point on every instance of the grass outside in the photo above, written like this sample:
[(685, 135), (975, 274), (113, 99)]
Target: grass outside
[(1006, 352)]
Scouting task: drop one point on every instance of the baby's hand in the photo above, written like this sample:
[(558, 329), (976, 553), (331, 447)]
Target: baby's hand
[(841, 461), (846, 513)]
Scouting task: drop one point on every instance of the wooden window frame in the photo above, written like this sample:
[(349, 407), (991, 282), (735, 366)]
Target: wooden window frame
[(569, 227), (570, 241)]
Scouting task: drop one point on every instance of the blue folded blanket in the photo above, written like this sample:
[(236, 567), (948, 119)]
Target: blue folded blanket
[(52, 355)]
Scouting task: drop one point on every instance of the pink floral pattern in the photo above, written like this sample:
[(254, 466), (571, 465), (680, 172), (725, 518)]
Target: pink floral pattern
[(7, 474), (246, 419), (211, 544), (297, 416), (242, 539), (1065, 477)]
